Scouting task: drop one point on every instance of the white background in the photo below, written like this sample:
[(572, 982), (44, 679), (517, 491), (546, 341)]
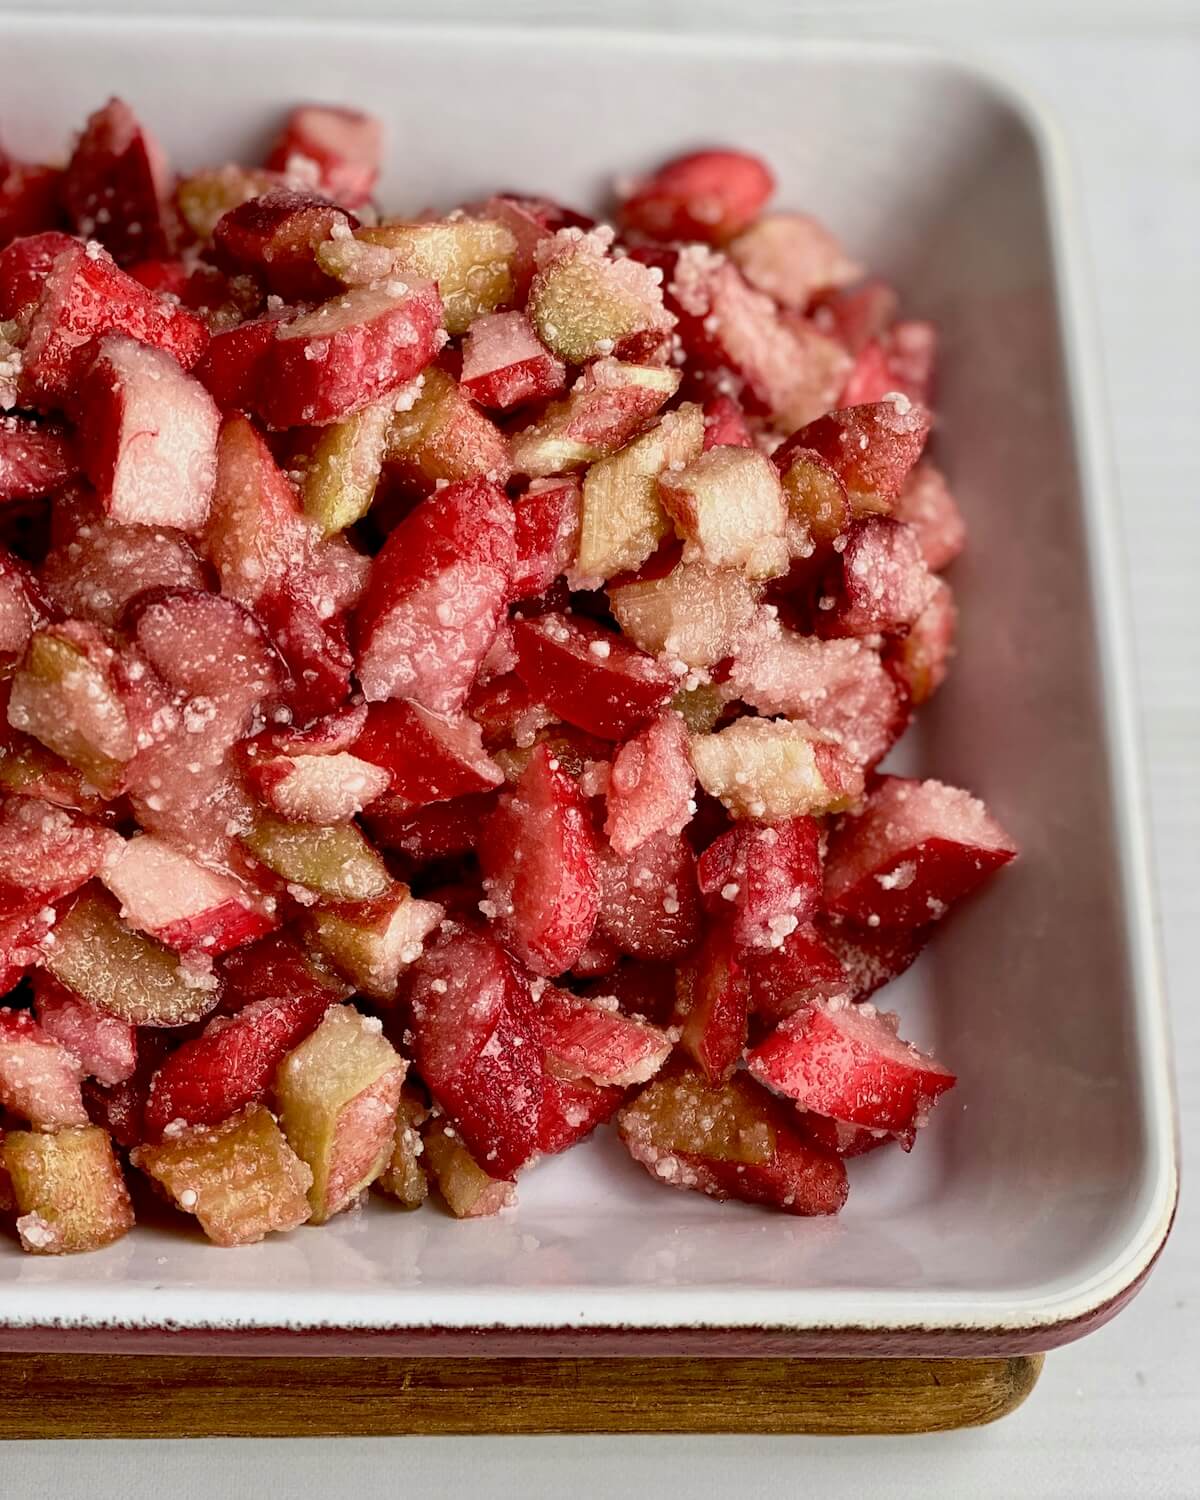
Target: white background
[(1119, 1413)]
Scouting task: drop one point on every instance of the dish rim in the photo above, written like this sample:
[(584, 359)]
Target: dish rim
[(1031, 1320)]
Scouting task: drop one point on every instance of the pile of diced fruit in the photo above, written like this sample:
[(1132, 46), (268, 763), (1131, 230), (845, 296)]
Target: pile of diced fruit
[(444, 664)]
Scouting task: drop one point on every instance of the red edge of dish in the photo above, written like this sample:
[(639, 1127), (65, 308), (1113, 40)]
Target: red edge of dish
[(566, 1342)]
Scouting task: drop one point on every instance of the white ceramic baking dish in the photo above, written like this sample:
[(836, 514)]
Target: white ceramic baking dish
[(1040, 1195)]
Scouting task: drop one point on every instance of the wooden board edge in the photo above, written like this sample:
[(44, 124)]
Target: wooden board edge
[(110, 1396)]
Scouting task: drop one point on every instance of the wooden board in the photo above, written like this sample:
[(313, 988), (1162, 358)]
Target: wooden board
[(94, 1396)]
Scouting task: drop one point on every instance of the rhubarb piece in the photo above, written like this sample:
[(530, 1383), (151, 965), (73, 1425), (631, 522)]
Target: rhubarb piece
[(582, 302), (48, 852), (706, 195), (712, 1001), (468, 1191), (846, 1061), (802, 968), (650, 786), (29, 198), (276, 237), (729, 505), (338, 1092), (474, 1027), (649, 904), (276, 966), (24, 266), (232, 367), (779, 363), (104, 1046), (871, 449), (767, 769), (28, 769), (176, 901), (469, 259), (857, 314), (22, 940), (609, 404), (334, 863), (426, 757), (67, 1189), (440, 830), (438, 434), (39, 1078), (870, 956), (84, 296), (204, 198), (35, 459), (94, 572), (693, 613), (538, 858), (546, 533), (763, 881), (240, 1179), (373, 942), (922, 658), (148, 436), (404, 1178), (343, 145), (505, 364), (927, 505), (839, 687), (326, 364), (792, 258), (918, 847), (592, 1040), (845, 1139), (901, 359), (123, 973), (66, 694), (730, 1141), (316, 788), (435, 597), (725, 424), (623, 520), (817, 503), (879, 585), (115, 186), (343, 469), (590, 676)]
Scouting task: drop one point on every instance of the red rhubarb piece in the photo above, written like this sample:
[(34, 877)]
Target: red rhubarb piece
[(651, 788), (649, 904), (344, 145), (764, 880), (706, 195), (428, 758), (115, 186)]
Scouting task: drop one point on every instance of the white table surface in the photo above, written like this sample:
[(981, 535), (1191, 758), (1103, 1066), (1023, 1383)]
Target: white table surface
[(1118, 1414)]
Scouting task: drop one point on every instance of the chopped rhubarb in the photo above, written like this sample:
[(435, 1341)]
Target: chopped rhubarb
[(322, 365), (175, 900), (35, 459), (918, 847), (921, 659), (67, 1188), (24, 266), (404, 1179), (48, 852), (926, 503), (847, 1061), (435, 596), (468, 1191), (115, 185), (474, 1027), (104, 1046), (233, 365), (879, 584), (316, 788), (505, 364), (729, 505), (802, 968), (343, 145), (707, 195), (584, 302), (84, 296), (547, 535), (870, 448), (693, 613), (240, 1179), (538, 857), (29, 198), (338, 1092), (730, 1141), (437, 831), (148, 436), (39, 1078), (593, 1040), (767, 769), (609, 404), (342, 471), (276, 238), (374, 942), (427, 757), (764, 881), (649, 903), (590, 676), (326, 862), (623, 520), (712, 1002), (792, 258), (650, 786), (438, 434), (725, 424), (123, 973)]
